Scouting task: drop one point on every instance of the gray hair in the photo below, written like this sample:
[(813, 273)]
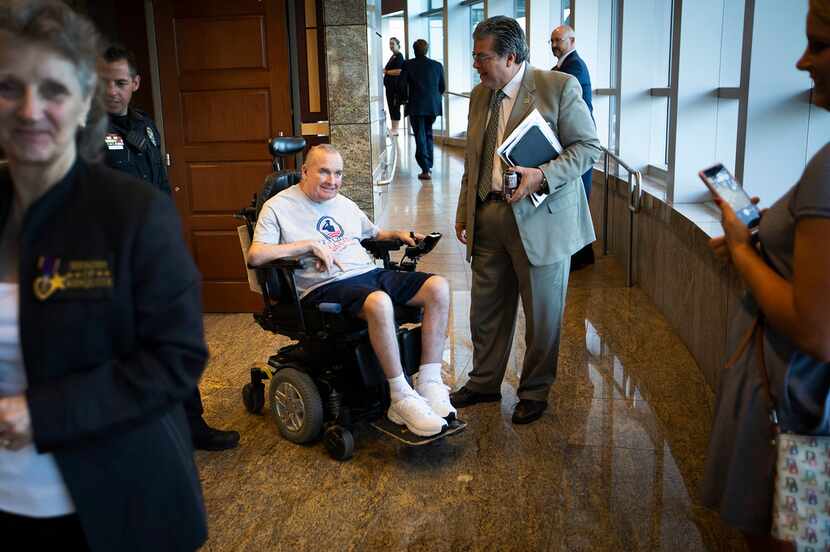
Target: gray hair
[(321, 149), (55, 26), (509, 38)]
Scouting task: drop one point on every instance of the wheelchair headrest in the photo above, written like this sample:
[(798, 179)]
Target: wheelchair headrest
[(274, 184), (285, 145)]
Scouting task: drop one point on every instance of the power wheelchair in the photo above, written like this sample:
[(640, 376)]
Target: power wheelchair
[(330, 379)]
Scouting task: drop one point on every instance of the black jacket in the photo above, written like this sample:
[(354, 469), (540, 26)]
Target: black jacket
[(112, 341), (133, 145), (424, 78)]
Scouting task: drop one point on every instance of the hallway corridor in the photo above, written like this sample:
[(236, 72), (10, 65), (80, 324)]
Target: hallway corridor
[(614, 463)]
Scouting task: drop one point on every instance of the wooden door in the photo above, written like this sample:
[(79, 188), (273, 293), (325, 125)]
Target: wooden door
[(225, 82)]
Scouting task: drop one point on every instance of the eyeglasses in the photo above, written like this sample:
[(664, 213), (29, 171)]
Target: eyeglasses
[(482, 57), (555, 41)]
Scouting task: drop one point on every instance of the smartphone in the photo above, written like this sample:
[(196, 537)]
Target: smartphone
[(723, 185)]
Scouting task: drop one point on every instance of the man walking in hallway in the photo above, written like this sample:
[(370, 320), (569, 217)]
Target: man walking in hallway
[(133, 145), (519, 250), (425, 80), (563, 45)]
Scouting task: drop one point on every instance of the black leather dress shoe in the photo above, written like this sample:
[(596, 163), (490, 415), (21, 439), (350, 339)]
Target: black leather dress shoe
[(528, 411), (209, 438), (465, 397), (582, 258)]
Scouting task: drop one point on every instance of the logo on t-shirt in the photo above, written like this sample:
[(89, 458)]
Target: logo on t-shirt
[(330, 229)]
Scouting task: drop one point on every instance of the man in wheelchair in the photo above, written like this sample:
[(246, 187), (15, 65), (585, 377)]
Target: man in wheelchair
[(312, 220)]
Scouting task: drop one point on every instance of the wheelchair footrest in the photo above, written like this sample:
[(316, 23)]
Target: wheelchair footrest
[(399, 432)]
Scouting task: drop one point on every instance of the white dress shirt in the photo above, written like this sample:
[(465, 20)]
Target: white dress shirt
[(30, 482), (561, 60)]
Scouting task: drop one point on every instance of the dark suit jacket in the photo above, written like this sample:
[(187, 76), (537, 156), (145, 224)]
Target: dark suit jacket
[(425, 79), (111, 347), (573, 65)]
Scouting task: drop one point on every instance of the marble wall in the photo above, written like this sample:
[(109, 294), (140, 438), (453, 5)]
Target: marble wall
[(697, 293), (353, 50)]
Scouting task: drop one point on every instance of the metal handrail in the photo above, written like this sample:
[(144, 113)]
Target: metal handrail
[(635, 196), (394, 146)]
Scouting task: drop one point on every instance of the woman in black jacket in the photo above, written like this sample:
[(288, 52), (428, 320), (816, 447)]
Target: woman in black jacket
[(100, 320), (395, 87)]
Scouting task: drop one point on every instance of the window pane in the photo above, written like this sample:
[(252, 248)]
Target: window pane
[(661, 78), (601, 116), (476, 17), (510, 8), (730, 75), (662, 42), (519, 14), (436, 52), (436, 38), (659, 127), (601, 56)]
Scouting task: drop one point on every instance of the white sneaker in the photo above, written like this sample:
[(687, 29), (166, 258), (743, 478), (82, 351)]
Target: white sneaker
[(437, 396), (414, 412)]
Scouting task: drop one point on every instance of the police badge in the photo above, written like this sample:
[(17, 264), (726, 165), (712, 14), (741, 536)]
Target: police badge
[(151, 135)]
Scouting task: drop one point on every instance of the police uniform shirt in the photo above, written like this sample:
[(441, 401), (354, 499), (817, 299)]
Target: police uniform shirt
[(133, 145)]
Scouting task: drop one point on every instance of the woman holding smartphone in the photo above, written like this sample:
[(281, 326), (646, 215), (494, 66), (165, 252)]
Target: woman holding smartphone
[(788, 279)]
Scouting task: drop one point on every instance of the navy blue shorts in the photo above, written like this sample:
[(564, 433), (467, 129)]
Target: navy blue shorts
[(351, 293)]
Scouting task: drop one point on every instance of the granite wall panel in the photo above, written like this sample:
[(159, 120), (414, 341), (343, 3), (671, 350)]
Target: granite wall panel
[(348, 74), (345, 12), (353, 142), (354, 63)]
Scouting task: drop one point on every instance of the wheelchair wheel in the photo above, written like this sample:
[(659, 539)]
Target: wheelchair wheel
[(253, 396), (339, 442), (296, 405)]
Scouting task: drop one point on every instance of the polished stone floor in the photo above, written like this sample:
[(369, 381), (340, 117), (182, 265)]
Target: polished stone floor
[(614, 464)]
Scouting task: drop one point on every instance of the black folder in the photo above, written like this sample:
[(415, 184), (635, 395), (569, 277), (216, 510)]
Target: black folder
[(532, 149)]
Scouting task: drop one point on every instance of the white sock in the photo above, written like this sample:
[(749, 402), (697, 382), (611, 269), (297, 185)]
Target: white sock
[(399, 387), (430, 372)]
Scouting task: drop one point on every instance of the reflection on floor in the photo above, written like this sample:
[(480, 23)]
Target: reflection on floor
[(614, 464)]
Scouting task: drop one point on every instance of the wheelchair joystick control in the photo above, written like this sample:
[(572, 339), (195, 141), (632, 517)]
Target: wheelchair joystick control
[(424, 246), (413, 253)]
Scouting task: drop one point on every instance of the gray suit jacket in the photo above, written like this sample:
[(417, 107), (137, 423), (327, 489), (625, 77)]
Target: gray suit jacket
[(562, 224)]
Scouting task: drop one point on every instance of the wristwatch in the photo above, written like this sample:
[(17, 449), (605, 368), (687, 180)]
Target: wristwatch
[(545, 189)]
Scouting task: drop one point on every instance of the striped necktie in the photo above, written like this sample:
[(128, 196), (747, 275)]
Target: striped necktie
[(485, 173)]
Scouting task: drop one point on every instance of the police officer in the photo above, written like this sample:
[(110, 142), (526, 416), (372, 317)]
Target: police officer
[(133, 145)]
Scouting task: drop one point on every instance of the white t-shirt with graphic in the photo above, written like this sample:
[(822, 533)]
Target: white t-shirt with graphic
[(338, 224)]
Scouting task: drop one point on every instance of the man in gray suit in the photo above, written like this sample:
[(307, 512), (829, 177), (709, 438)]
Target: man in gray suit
[(519, 250)]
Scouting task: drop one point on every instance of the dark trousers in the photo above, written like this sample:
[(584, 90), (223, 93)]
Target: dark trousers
[(586, 183), (193, 406), (584, 256), (394, 105), (422, 128), (58, 533)]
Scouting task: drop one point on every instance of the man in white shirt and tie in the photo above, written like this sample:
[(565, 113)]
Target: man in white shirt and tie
[(519, 250)]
